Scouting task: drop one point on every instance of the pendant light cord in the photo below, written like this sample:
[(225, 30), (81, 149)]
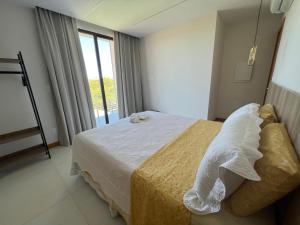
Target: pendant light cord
[(257, 23)]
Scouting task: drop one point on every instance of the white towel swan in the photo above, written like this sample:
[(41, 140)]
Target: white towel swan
[(138, 117)]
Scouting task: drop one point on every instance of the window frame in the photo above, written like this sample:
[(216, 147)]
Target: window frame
[(101, 81)]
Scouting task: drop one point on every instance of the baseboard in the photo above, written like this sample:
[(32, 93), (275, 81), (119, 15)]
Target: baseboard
[(53, 144), (220, 119)]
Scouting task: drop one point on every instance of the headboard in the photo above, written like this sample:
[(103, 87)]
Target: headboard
[(287, 106)]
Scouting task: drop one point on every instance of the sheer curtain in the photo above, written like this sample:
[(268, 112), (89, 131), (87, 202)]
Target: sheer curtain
[(128, 74), (62, 51)]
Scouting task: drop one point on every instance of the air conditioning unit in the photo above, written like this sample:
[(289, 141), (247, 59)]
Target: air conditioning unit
[(280, 6)]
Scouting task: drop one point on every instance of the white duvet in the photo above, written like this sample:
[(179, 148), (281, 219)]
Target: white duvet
[(111, 154)]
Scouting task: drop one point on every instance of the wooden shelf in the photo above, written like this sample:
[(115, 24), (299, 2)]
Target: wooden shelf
[(29, 132), (17, 135), (23, 156), (5, 60)]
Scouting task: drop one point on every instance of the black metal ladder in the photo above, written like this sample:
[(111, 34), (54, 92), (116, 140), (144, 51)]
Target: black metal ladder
[(17, 135)]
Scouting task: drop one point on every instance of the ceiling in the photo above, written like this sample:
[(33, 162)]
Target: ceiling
[(138, 17)]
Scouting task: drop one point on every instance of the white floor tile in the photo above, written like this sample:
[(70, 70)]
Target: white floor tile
[(43, 193), (25, 194), (64, 212), (27, 168), (72, 182), (93, 208), (61, 155)]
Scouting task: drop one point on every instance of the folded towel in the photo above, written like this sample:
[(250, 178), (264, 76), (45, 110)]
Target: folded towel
[(134, 118), (138, 117)]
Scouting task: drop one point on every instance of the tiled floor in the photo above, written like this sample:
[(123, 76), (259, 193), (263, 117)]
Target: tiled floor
[(43, 193)]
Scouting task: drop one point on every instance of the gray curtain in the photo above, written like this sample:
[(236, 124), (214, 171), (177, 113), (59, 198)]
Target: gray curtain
[(64, 59), (128, 74)]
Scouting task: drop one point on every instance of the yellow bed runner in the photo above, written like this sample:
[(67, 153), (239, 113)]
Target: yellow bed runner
[(158, 185)]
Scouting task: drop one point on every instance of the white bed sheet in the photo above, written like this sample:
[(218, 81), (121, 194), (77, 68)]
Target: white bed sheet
[(110, 156)]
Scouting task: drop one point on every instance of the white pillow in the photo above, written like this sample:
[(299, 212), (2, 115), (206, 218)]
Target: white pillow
[(251, 108), (228, 160)]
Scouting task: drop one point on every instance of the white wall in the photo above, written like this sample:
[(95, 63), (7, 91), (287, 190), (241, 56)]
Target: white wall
[(238, 39), (19, 32), (177, 67), (287, 68)]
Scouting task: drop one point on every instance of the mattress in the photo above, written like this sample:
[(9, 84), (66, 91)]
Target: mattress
[(110, 154)]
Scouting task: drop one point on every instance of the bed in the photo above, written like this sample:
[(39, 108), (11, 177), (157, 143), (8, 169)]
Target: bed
[(107, 157)]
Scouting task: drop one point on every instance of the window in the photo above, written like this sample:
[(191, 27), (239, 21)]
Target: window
[(98, 56)]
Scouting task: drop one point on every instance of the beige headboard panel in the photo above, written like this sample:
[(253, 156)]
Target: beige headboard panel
[(287, 105)]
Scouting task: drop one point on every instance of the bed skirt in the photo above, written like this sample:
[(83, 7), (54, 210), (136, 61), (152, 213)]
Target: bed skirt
[(114, 209)]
